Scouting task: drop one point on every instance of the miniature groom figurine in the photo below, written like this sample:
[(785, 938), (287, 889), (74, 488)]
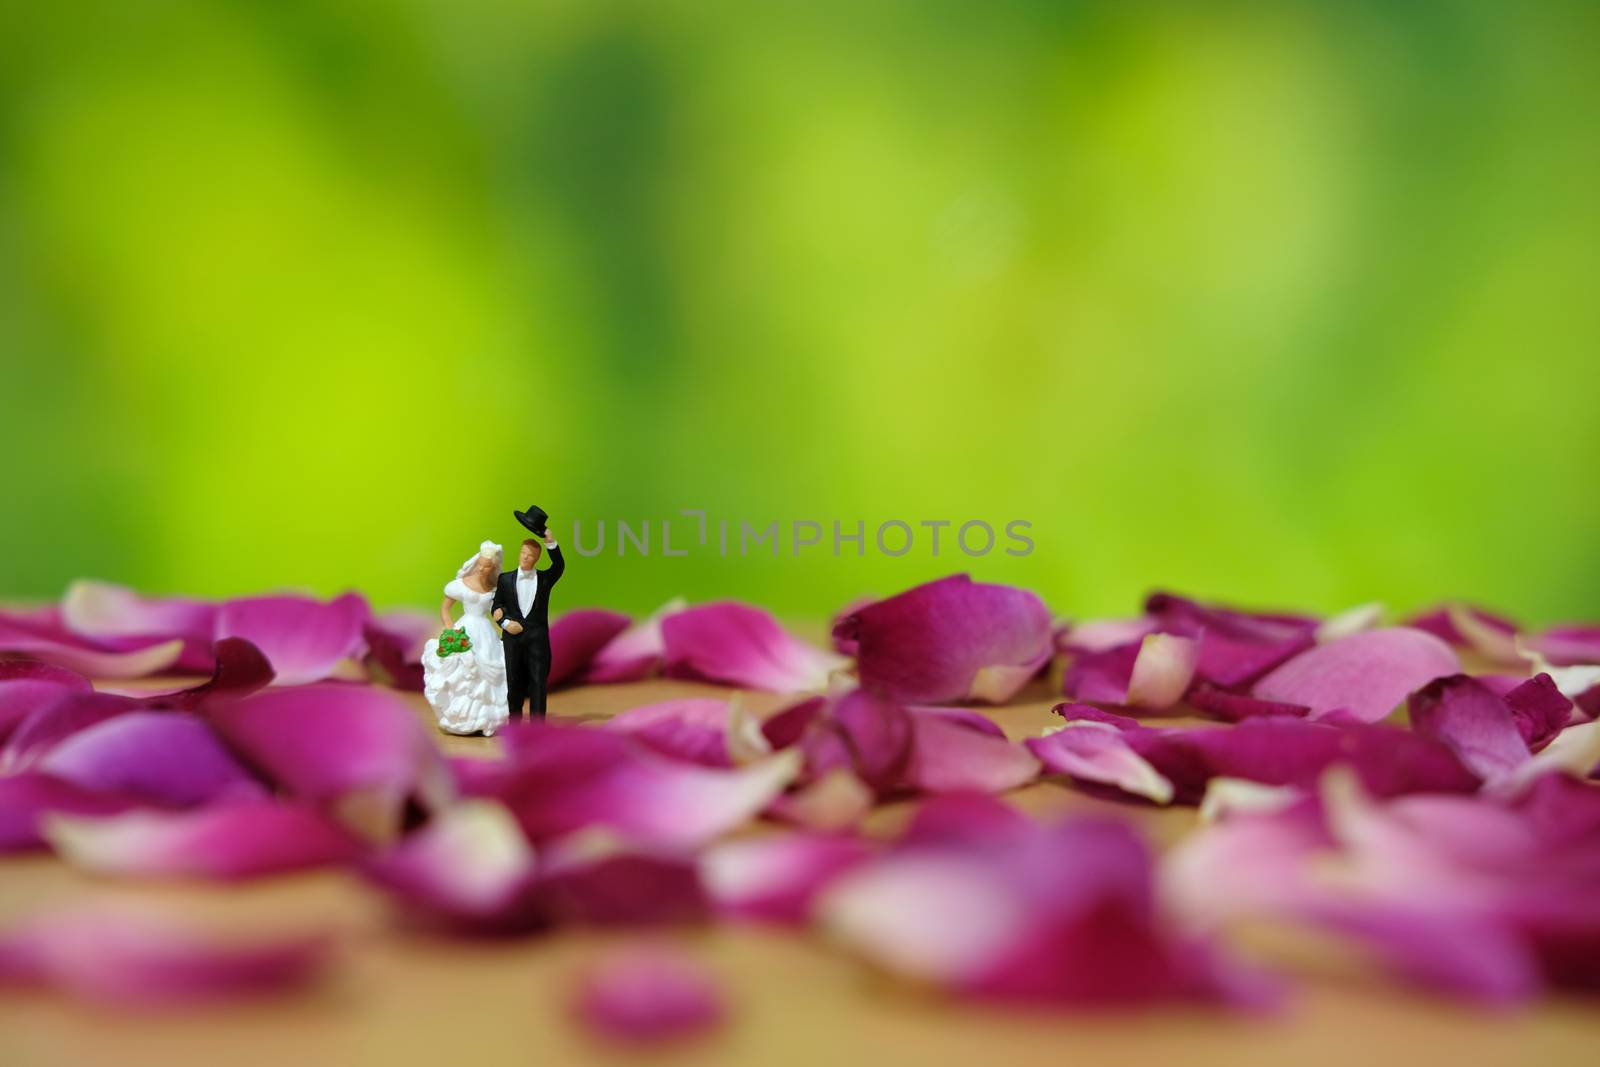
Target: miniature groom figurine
[(522, 608)]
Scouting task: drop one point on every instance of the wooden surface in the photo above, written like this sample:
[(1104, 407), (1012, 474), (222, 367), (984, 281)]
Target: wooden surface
[(396, 998)]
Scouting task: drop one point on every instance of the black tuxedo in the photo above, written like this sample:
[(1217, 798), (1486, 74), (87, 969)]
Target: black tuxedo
[(528, 653)]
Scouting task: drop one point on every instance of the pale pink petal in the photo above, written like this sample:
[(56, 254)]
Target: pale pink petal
[(165, 757), (1102, 635), (106, 612), (950, 757), (694, 729), (646, 994), (1162, 671), (304, 639), (27, 799), (228, 842), (1097, 752), (950, 640), (123, 957), (634, 653), (737, 644), (566, 778), (774, 877), (469, 870), (835, 800), (576, 639), (136, 658), (1368, 674), (360, 749)]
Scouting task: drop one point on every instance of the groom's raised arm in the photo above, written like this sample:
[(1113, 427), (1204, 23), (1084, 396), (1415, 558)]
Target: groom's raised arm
[(558, 566)]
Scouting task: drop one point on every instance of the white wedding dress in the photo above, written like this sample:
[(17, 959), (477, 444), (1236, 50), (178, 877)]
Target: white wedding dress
[(468, 689)]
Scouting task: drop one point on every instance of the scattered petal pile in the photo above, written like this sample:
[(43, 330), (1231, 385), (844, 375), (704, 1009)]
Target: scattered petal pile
[(1422, 792)]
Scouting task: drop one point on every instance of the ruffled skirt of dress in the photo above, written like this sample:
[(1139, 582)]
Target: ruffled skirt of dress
[(468, 694)]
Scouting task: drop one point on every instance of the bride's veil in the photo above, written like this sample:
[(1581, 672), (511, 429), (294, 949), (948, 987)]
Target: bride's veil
[(489, 549)]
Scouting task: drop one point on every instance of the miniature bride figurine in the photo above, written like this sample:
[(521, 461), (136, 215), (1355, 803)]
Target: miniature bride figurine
[(468, 689)]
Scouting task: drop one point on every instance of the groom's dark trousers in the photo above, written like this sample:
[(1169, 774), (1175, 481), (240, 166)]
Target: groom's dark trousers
[(528, 653)]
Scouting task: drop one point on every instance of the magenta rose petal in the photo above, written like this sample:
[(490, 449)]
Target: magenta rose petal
[(1236, 707), (1474, 723), (359, 749), (27, 799), (1568, 646), (127, 958), (1367, 674), (694, 729), (1539, 709), (877, 735), (394, 643), (304, 639), (620, 885), (163, 757), (105, 612), (1064, 915), (736, 644), (566, 778), (225, 842), (950, 641), (634, 653), (1102, 676), (469, 870), (26, 686), (843, 640), (773, 878), (1097, 752), (949, 756), (648, 994), (577, 637), (46, 641), (48, 725)]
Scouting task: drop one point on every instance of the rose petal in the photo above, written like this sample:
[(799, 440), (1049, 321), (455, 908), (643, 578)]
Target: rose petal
[(634, 653), (358, 748), (1097, 752), (774, 878), (1473, 723), (228, 842), (303, 639), (648, 994), (128, 958), (1101, 677), (1286, 751), (102, 611), (1488, 635), (1235, 707), (1367, 674), (835, 800), (950, 640), (736, 644), (878, 736), (165, 757), (469, 870), (50, 643), (1162, 671), (47, 726), (1350, 621), (621, 885), (26, 686), (694, 729), (1568, 646), (1539, 709), (950, 757), (1103, 635), (566, 778), (843, 641), (577, 638), (394, 646), (26, 799)]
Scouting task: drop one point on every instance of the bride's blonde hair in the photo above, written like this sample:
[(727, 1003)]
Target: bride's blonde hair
[(487, 551)]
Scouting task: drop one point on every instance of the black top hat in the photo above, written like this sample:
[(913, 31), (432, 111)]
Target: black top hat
[(534, 518)]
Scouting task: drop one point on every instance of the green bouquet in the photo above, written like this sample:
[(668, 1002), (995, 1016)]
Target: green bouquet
[(453, 641)]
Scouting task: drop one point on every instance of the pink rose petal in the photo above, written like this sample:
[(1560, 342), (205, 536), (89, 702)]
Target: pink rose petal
[(694, 729), (1162, 671), (565, 778), (948, 641), (634, 653), (773, 878), (394, 643), (1097, 752), (303, 639), (358, 748), (1367, 674), (577, 637), (736, 644), (227, 842), (1472, 722), (50, 643), (101, 611), (1568, 646), (164, 757), (127, 958), (948, 756), (27, 799), (27, 685), (648, 994)]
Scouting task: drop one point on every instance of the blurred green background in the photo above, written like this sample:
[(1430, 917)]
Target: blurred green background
[(1281, 303)]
